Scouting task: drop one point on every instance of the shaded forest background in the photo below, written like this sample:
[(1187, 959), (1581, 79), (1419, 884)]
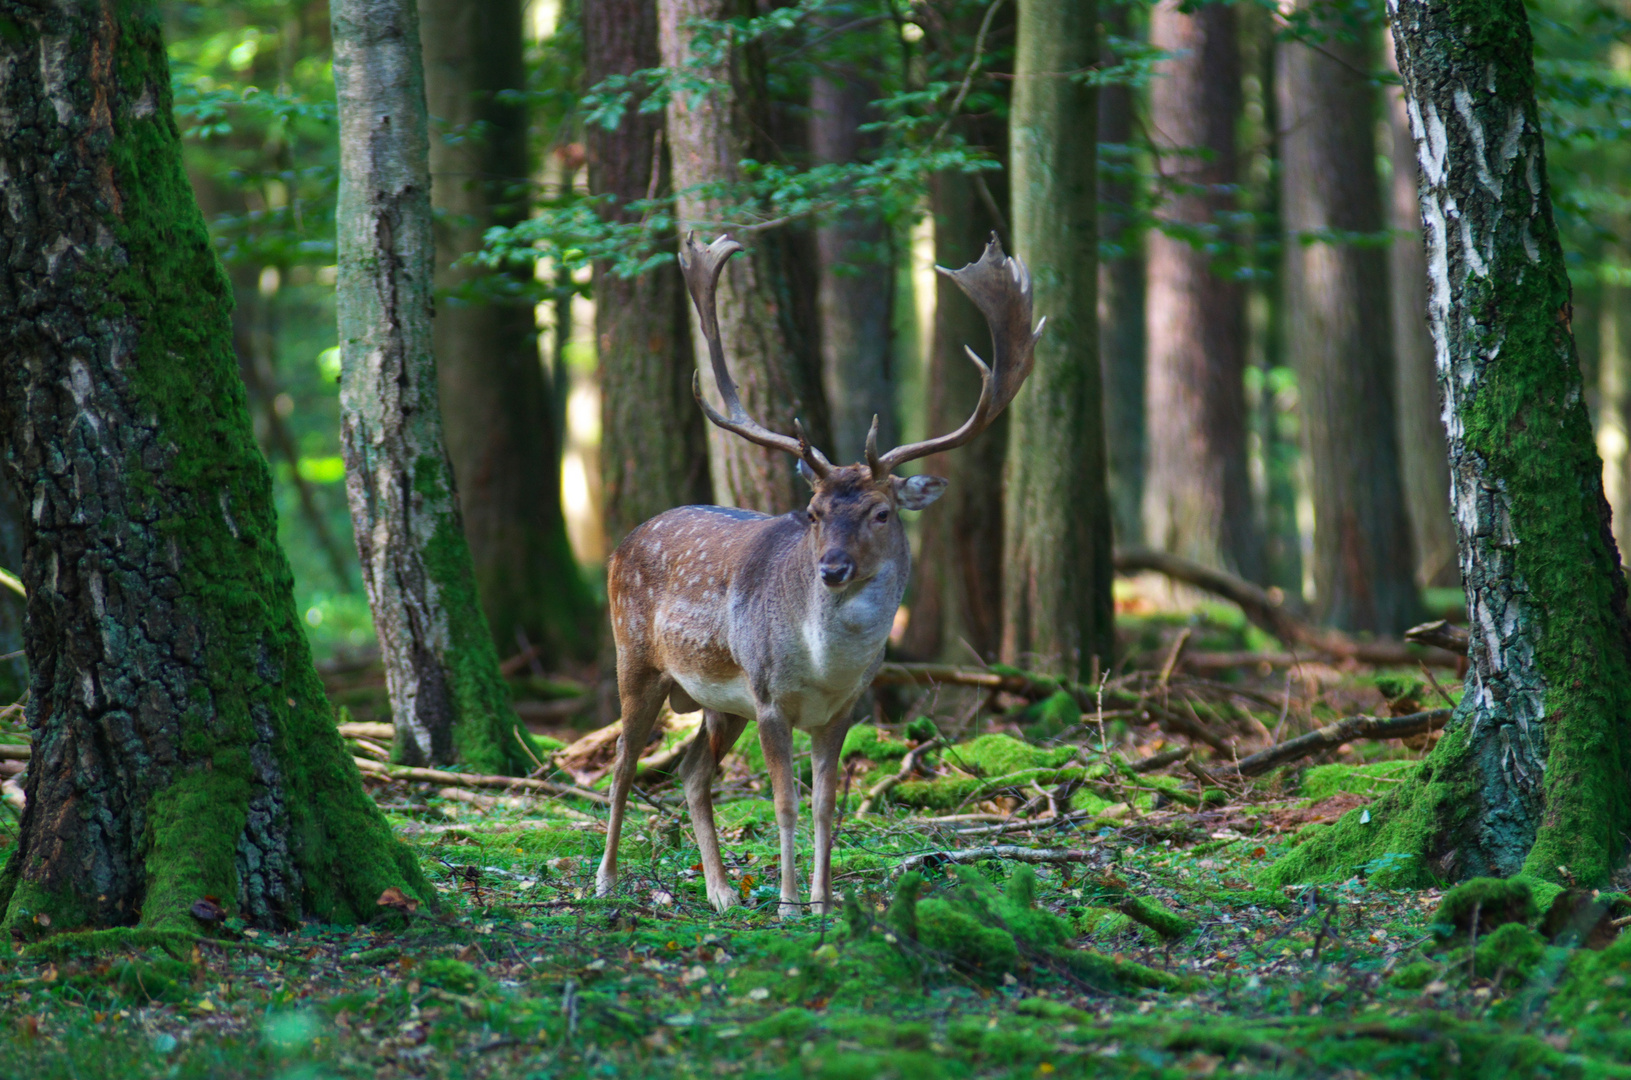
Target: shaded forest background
[(1267, 375)]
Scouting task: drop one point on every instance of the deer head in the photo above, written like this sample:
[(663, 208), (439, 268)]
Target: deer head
[(853, 510)]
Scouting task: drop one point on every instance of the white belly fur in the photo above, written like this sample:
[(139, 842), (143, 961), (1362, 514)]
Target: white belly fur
[(730, 696)]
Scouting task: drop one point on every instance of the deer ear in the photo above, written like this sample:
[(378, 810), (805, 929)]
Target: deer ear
[(916, 492), (808, 473)]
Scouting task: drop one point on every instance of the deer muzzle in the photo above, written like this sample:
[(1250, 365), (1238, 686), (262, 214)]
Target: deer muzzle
[(837, 569)]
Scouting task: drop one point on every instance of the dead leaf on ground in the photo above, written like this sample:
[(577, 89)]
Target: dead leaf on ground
[(397, 900)]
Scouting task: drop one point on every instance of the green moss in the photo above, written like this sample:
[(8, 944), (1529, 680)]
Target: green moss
[(1158, 917), (1512, 953), (958, 937), (1414, 976), (868, 742), (450, 974), (1323, 781), (1000, 755), (1492, 902)]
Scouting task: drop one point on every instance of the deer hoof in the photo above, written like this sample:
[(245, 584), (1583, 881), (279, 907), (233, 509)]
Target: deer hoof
[(722, 900), (605, 883), (787, 909)]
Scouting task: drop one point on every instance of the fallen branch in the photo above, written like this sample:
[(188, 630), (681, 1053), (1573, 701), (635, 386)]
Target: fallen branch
[(1337, 734), (372, 732), (1268, 613), (476, 780), (908, 765), (1442, 634), (16, 753), (996, 851), (1159, 761)]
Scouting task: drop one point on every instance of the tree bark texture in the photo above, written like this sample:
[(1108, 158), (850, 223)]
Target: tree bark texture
[(1614, 406), (1340, 338), (855, 261), (498, 420), (183, 747), (772, 359), (448, 701), (1121, 292), (1057, 606), (1423, 466), (1531, 774), (1197, 490), (957, 576), (653, 449)]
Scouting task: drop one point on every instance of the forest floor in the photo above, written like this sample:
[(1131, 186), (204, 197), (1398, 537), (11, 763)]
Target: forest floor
[(1117, 930)]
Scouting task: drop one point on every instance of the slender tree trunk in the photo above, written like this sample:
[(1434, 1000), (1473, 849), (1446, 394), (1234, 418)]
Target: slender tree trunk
[(772, 361), (1057, 605), (653, 450), (1340, 339), (856, 284), (1197, 490), (448, 701), (13, 609), (498, 420), (1121, 293), (1532, 772), (957, 576), (182, 744), (1423, 465)]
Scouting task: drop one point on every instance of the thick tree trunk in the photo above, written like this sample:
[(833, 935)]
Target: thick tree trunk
[(773, 362), (1121, 294), (182, 744), (1423, 466), (448, 701), (653, 450), (1532, 772), (498, 420), (856, 282), (1197, 491), (1340, 338), (957, 576), (1057, 608)]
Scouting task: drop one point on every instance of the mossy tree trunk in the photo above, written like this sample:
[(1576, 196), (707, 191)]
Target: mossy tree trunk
[(653, 449), (183, 747), (448, 701), (1532, 772), (498, 419), (772, 358), (1338, 334), (1197, 489), (957, 575), (1057, 608), (1121, 288)]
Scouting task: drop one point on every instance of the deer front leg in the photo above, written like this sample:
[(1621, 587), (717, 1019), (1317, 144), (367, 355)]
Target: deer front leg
[(776, 739), (826, 746), (642, 697), (713, 741)]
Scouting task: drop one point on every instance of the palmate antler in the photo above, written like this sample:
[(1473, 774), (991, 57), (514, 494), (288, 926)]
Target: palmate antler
[(702, 266), (1000, 287)]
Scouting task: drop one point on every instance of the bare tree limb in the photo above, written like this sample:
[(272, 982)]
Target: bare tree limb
[(1337, 734)]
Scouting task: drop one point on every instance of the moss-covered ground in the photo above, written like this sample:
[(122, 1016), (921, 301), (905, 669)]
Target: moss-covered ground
[(1154, 951)]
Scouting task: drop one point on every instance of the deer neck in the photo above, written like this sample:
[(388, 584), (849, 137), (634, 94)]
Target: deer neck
[(848, 628)]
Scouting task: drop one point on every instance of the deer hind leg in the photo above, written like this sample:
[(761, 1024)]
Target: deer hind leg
[(642, 695), (826, 746), (776, 739), (713, 741)]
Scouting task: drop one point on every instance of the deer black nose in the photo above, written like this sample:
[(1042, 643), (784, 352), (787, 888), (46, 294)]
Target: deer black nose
[(836, 568)]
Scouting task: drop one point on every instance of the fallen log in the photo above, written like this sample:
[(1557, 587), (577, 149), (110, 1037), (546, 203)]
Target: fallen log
[(1267, 612), (476, 780), (1333, 735)]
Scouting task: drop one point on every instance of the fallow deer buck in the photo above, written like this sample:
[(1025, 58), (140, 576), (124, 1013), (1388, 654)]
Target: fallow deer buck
[(782, 620)]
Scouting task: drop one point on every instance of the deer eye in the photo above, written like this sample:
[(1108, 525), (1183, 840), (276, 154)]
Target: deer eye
[(881, 516)]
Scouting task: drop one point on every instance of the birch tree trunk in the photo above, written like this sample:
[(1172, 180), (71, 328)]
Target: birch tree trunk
[(499, 421), (773, 363), (1532, 772), (1340, 339), (448, 701), (182, 745), (653, 450), (1057, 606), (1197, 491), (1422, 463)]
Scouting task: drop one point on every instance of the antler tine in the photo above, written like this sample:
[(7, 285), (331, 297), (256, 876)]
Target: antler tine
[(702, 266), (1000, 287), (872, 461)]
